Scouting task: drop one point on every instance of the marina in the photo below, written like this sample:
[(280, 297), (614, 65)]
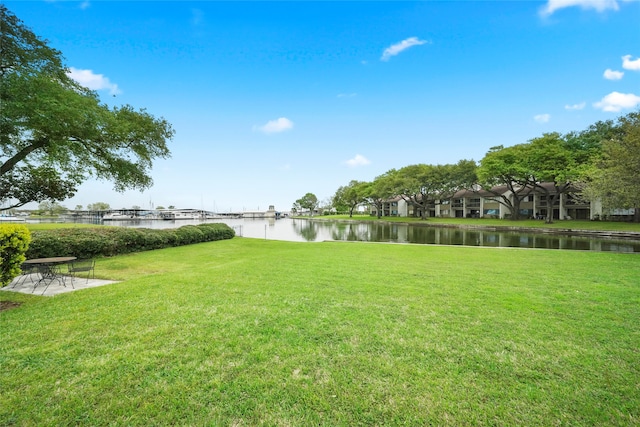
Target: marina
[(134, 215)]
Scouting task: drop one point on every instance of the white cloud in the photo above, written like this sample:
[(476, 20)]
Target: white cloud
[(92, 81), (599, 5), (395, 49), (347, 95), (358, 160), (609, 74), (542, 118), (575, 106), (629, 64), (617, 101), (85, 5), (275, 126)]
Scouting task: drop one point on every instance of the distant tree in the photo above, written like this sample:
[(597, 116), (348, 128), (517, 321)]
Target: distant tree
[(616, 178), (160, 207), (78, 207), (501, 174), (55, 133), (424, 185), (135, 207), (309, 201), (171, 207), (348, 197), (51, 208), (587, 144), (98, 206), (324, 206), (552, 168), (378, 191)]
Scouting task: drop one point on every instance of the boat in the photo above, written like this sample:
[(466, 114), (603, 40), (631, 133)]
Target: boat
[(182, 214), (127, 215), (11, 218)]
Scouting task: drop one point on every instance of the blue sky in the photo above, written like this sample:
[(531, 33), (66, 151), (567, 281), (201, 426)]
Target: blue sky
[(271, 100)]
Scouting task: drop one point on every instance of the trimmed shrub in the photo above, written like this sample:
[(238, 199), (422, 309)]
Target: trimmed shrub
[(189, 234), (216, 231), (14, 242), (110, 241)]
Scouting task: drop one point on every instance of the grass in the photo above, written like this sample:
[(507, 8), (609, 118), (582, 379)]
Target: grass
[(257, 332), (487, 222)]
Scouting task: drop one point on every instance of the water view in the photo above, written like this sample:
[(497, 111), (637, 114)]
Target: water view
[(304, 230)]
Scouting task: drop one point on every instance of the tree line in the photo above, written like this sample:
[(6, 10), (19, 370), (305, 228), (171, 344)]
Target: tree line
[(601, 162)]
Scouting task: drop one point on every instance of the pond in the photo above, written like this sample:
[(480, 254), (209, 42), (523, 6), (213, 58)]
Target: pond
[(304, 230)]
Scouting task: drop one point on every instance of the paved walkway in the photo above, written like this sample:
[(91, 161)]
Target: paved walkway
[(55, 288)]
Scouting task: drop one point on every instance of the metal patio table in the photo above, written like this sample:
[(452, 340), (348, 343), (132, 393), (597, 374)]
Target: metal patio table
[(49, 269)]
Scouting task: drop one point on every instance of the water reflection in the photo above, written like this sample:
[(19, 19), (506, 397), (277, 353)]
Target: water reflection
[(303, 230), (420, 234)]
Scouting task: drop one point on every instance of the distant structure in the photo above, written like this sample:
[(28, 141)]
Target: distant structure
[(270, 213), (166, 214)]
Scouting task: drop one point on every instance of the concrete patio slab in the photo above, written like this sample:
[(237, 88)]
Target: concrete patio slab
[(28, 286)]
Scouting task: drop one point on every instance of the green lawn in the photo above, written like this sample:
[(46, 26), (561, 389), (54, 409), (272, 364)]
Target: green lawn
[(257, 332)]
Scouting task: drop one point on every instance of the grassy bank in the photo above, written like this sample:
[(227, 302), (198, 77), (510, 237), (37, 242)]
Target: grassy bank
[(487, 222), (256, 332)]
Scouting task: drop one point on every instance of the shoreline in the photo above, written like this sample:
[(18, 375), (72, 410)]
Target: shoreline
[(602, 234)]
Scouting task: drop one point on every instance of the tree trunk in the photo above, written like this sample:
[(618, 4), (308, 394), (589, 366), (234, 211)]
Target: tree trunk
[(636, 215), (515, 208), (551, 201)]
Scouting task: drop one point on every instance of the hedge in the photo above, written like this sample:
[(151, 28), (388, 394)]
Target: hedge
[(14, 240), (110, 241)]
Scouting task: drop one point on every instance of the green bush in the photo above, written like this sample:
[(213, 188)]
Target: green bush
[(110, 241), (189, 234), (14, 242), (216, 231)]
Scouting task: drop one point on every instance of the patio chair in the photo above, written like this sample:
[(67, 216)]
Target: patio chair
[(27, 271), (80, 267)]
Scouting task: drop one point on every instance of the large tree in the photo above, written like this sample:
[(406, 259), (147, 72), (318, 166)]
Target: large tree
[(552, 168), (425, 185), (55, 134), (349, 196), (378, 191), (309, 201), (616, 179), (501, 173)]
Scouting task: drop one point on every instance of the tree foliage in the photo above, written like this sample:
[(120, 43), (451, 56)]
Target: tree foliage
[(380, 189), (425, 185), (309, 202), (51, 208), (552, 168), (55, 134), (499, 174), (98, 206), (348, 197), (616, 180)]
